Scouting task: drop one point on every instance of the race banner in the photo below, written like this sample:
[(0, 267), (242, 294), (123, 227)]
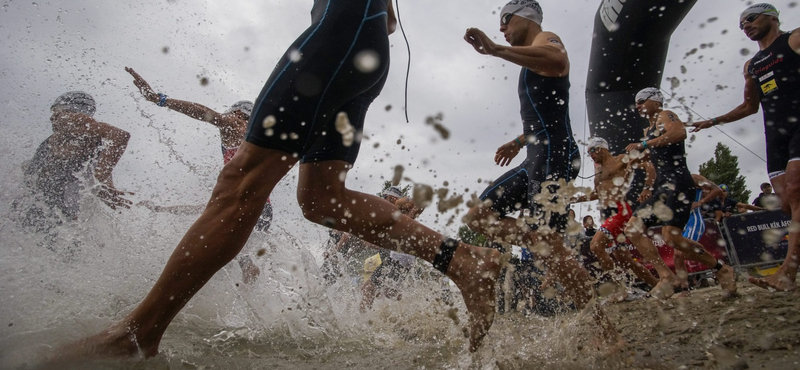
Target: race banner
[(758, 238)]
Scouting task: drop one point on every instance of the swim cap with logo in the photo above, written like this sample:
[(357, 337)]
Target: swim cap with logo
[(528, 9), (76, 102), (762, 8), (650, 93), (243, 106)]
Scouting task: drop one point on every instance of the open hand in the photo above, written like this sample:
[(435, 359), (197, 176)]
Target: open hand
[(112, 197), (505, 153), (143, 86)]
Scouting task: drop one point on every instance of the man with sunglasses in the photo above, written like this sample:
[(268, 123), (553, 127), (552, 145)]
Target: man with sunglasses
[(538, 185), (772, 77), (668, 202), (611, 186)]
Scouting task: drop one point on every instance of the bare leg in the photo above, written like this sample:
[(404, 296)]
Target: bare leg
[(695, 251), (215, 239), (324, 199), (557, 259), (787, 187), (679, 261), (600, 242), (367, 296), (626, 260), (635, 230)]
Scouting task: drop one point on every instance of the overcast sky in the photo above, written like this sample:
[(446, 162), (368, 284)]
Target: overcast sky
[(49, 47)]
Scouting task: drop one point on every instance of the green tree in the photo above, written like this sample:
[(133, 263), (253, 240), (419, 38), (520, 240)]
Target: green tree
[(724, 169), (470, 237)]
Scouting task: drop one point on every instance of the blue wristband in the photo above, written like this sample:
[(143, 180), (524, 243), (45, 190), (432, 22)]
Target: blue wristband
[(162, 100), (519, 143), (715, 121), (644, 144)]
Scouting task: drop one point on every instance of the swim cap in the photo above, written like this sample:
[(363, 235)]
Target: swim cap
[(598, 142), (649, 93), (762, 8), (392, 191), (528, 9), (243, 106), (76, 102), (724, 188)]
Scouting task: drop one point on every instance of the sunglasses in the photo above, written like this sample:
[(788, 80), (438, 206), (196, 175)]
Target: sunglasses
[(506, 18), (749, 19)]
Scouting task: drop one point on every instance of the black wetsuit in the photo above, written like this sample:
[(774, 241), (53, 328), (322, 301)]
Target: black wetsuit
[(674, 188), (776, 71), (57, 180), (552, 153), (318, 78)]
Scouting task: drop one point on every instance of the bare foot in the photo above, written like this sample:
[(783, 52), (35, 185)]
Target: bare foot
[(779, 281), (474, 270), (727, 281), (663, 290), (114, 342)]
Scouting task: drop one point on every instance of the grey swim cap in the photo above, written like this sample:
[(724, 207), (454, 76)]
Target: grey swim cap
[(76, 102), (650, 93), (528, 9), (244, 106)]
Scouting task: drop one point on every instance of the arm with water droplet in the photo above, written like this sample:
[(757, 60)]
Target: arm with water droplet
[(747, 108)]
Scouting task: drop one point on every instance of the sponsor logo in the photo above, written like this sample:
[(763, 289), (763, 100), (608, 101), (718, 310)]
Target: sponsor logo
[(769, 86), (609, 13), (766, 76)]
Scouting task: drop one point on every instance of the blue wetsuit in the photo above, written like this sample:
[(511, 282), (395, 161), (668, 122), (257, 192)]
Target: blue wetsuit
[(696, 226), (317, 78), (552, 153)]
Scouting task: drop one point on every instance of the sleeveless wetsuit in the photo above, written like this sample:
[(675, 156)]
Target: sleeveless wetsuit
[(552, 154), (696, 226), (318, 77), (776, 71), (265, 219), (59, 180), (670, 204)]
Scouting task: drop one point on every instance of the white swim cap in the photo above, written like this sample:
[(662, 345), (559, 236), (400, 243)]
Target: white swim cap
[(598, 142), (762, 8), (76, 102), (528, 9), (392, 191), (650, 93), (243, 106)]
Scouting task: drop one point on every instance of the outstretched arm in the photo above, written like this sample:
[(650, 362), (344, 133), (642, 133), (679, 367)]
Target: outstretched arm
[(748, 206), (712, 190), (747, 108), (194, 110)]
